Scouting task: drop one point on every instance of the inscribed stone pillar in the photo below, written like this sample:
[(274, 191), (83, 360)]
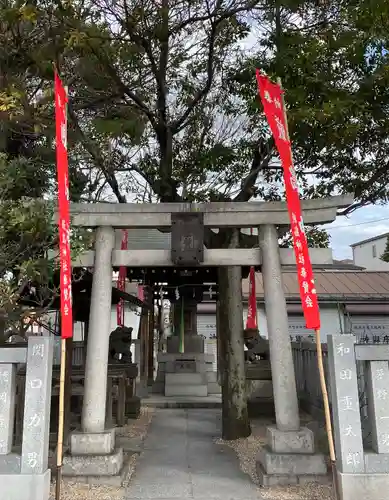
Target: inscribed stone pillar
[(36, 421), (7, 406), (378, 401), (284, 384), (96, 369), (345, 404)]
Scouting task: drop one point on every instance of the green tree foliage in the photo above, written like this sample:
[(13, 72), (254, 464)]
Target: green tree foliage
[(151, 85), (385, 255), (28, 243), (332, 61), (316, 238), (163, 100)]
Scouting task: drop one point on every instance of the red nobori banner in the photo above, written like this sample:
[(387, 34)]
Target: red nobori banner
[(122, 283), (271, 96), (64, 209), (251, 322)]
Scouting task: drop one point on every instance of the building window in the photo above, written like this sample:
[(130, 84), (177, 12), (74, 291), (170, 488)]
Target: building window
[(374, 248)]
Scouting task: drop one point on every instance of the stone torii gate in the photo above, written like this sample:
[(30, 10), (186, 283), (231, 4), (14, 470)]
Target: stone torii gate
[(97, 442)]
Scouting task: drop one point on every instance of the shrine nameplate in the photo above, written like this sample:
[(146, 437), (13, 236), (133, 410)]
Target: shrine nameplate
[(187, 239)]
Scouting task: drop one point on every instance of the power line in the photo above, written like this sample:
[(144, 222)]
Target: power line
[(357, 224)]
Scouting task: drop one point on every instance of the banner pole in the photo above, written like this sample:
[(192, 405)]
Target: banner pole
[(319, 350), (61, 419), (61, 94), (327, 412)]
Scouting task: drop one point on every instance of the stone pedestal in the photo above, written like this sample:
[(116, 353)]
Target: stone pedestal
[(186, 374), (26, 476), (82, 443), (93, 454), (25, 486), (366, 486), (289, 457), (189, 373)]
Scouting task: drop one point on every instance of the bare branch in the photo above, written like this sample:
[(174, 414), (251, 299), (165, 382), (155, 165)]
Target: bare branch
[(95, 153), (262, 157), (211, 15), (124, 88), (177, 124)]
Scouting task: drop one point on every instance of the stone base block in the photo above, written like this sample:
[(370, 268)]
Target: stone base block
[(301, 441), (165, 357), (93, 465), (211, 377), (10, 463), (115, 481), (214, 388), (25, 486), (363, 486), (171, 367), (376, 463), (291, 464), (269, 480), (133, 407), (96, 443), (186, 390), (184, 379)]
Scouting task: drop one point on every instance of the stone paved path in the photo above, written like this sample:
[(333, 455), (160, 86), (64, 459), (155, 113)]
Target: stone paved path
[(180, 460)]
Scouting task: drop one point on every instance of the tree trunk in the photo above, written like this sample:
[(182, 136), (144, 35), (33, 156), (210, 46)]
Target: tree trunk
[(220, 359), (3, 322), (235, 418), (168, 184)]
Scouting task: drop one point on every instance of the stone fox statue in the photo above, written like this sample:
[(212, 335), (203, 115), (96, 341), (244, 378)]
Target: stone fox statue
[(257, 346), (120, 345)]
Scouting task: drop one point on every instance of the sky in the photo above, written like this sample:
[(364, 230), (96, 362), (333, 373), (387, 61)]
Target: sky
[(360, 225)]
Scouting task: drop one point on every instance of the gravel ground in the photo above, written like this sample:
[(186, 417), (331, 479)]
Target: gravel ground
[(138, 428), (79, 491), (247, 450)]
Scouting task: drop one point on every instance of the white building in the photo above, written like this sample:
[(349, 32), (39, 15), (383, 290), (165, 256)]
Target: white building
[(367, 253), (350, 301)]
